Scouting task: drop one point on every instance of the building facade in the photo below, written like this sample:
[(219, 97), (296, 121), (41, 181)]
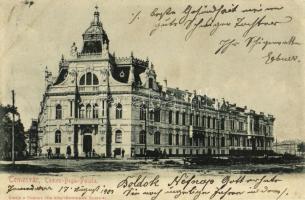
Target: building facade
[(101, 104)]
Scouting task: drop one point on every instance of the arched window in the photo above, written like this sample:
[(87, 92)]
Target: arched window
[(118, 136), (58, 136), (150, 82), (151, 114), (58, 112), (88, 111), (95, 80), (82, 80), (95, 111), (118, 111), (170, 139), (142, 137), (142, 112), (81, 111), (89, 78), (157, 137)]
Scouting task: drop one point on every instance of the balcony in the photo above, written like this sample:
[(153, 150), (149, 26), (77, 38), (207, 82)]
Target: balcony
[(77, 121), (89, 88)]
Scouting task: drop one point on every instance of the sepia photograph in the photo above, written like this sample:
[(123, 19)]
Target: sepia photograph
[(154, 100)]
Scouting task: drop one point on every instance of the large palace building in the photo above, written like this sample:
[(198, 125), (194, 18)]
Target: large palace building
[(101, 104)]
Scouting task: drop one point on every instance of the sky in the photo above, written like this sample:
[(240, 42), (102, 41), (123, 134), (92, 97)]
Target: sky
[(33, 37)]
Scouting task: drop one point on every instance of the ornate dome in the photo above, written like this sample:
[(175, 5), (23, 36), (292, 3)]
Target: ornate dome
[(95, 37)]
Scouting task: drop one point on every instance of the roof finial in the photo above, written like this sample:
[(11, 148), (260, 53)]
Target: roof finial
[(96, 16)]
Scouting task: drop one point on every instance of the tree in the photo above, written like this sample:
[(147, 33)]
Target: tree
[(301, 147), (6, 133)]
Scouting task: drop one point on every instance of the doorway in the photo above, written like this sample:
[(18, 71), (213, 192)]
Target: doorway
[(87, 144)]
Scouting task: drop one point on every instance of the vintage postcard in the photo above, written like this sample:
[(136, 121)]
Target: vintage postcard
[(154, 100)]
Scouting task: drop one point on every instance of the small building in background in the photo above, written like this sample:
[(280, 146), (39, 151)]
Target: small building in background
[(32, 138)]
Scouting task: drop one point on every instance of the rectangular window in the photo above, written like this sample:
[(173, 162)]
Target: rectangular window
[(150, 83), (170, 113), (222, 124), (195, 141), (244, 141), (197, 120), (238, 141), (142, 112), (142, 137), (223, 141), (183, 118), (241, 124), (118, 136), (177, 139), (203, 121), (191, 119), (157, 138), (170, 139), (232, 125), (157, 115), (183, 140), (103, 108), (214, 123), (177, 117), (151, 115), (71, 104)]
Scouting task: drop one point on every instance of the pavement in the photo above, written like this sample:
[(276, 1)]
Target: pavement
[(115, 165)]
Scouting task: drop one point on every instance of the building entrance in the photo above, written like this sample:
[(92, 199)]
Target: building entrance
[(87, 144)]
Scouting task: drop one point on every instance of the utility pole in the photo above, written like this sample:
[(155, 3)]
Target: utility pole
[(13, 128), (218, 132), (145, 125)]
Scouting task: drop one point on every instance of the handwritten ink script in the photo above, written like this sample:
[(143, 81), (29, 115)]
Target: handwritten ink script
[(179, 186), (239, 27)]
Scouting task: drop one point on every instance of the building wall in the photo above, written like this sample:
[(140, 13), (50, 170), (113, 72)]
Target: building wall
[(211, 126)]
